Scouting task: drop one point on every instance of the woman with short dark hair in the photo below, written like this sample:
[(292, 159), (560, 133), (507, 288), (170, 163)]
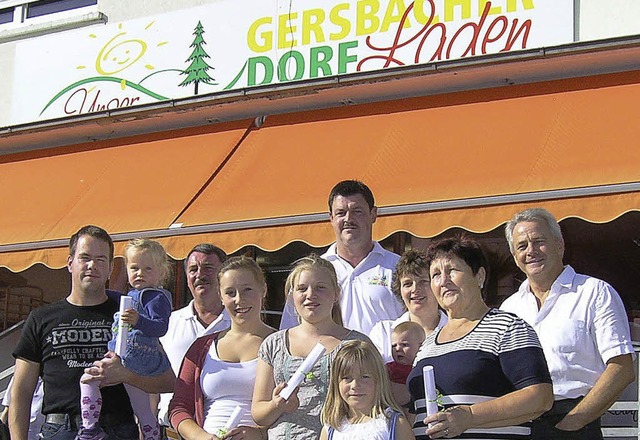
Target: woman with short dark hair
[(490, 371)]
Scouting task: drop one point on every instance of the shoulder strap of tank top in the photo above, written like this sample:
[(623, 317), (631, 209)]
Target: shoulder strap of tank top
[(392, 425)]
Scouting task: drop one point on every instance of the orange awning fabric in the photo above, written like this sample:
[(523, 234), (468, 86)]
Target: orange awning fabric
[(137, 185), (596, 209), (538, 137), (414, 153)]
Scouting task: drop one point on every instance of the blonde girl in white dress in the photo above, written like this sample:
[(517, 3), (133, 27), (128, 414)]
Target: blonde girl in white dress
[(359, 404)]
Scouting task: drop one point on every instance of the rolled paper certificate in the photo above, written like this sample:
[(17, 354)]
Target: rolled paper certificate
[(126, 302), (302, 371), (232, 422), (430, 396)]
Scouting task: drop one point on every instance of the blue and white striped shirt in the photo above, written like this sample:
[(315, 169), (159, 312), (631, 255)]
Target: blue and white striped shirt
[(500, 355)]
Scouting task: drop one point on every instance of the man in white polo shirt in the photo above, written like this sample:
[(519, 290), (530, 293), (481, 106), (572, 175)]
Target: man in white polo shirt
[(203, 315), (364, 267), (582, 326)]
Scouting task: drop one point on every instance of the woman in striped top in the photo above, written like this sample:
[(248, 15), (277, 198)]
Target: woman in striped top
[(490, 372)]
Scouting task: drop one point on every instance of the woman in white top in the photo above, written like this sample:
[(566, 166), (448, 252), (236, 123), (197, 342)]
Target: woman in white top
[(219, 370)]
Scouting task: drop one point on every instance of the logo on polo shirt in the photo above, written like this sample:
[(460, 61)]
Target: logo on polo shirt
[(378, 280)]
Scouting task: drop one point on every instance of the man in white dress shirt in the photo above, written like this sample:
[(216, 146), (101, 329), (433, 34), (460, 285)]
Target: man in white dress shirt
[(581, 323), (364, 267), (204, 314)]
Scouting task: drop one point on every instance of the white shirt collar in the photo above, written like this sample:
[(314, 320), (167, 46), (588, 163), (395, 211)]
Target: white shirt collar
[(189, 313), (563, 283), (332, 252)]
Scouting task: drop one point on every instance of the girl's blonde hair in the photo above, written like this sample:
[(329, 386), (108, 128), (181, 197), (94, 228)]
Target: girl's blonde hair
[(315, 262), (366, 356), (157, 252), (242, 263)]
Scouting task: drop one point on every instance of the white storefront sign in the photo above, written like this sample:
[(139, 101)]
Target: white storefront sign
[(237, 44)]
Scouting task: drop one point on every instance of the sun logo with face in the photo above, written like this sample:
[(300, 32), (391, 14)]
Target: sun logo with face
[(121, 52), (126, 60)]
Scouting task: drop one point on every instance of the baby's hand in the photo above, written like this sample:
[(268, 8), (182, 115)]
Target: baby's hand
[(130, 316)]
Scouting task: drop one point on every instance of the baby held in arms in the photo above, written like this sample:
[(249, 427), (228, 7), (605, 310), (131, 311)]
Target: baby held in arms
[(406, 339)]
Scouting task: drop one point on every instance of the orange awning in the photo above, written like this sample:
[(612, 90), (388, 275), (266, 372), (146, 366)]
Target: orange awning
[(467, 146), (460, 159), (569, 134), (124, 187)]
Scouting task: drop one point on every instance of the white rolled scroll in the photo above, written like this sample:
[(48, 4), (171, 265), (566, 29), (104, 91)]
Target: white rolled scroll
[(126, 302), (304, 369), (430, 395), (232, 422)]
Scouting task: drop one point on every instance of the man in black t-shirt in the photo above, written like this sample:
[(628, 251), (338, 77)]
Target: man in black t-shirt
[(62, 340)]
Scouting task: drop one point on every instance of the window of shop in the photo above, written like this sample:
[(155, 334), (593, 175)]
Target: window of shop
[(6, 15), (20, 19), (45, 7)]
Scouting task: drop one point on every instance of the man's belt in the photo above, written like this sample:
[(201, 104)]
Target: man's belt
[(73, 422)]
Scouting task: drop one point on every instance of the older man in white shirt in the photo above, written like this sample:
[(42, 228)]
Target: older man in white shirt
[(581, 323), (202, 316)]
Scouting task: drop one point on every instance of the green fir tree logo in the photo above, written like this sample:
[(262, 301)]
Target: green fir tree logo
[(197, 70)]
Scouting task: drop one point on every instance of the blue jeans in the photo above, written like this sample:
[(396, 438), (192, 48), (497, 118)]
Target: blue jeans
[(117, 431)]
